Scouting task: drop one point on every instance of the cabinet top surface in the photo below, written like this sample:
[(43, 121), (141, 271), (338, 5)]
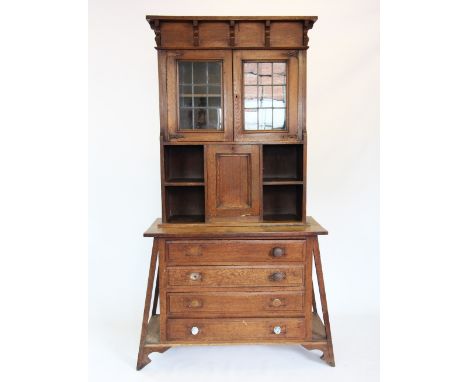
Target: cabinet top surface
[(311, 227), (228, 18)]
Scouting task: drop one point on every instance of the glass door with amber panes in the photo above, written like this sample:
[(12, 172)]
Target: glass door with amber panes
[(199, 91), (265, 95)]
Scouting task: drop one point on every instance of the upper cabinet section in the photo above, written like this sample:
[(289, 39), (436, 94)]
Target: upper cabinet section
[(231, 32), (232, 79)]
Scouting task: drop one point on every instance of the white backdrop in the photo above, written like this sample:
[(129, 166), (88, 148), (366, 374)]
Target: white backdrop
[(124, 188)]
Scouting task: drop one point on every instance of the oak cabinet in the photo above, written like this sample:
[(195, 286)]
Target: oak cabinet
[(234, 253)]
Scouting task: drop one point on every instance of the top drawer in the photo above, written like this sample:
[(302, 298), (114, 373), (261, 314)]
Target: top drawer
[(234, 251)]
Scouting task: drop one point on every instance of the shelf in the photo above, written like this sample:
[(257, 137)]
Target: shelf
[(281, 218), (280, 181), (185, 182), (153, 337), (187, 219)]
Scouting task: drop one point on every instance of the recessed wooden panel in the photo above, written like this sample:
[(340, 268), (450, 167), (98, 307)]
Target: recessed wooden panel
[(233, 180), (235, 330), (178, 34), (214, 34), (233, 173), (284, 34), (251, 34)]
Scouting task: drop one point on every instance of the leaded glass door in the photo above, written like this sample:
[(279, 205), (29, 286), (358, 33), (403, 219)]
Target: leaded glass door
[(265, 95), (199, 88)]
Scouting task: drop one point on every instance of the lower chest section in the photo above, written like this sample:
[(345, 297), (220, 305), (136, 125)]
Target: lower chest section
[(235, 290)]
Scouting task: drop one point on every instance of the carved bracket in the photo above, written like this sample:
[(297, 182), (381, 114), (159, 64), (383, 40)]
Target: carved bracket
[(196, 36), (232, 33), (154, 24), (307, 25), (267, 33)]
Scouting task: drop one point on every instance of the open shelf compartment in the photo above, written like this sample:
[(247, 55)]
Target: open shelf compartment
[(185, 204), (184, 164), (283, 163), (282, 203)]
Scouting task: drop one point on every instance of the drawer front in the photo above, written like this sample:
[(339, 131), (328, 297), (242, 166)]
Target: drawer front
[(235, 329), (229, 251), (246, 303), (236, 276)]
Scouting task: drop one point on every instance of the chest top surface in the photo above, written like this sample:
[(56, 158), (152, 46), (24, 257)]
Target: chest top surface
[(159, 229)]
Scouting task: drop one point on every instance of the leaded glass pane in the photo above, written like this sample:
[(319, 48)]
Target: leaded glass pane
[(200, 95), (265, 85)]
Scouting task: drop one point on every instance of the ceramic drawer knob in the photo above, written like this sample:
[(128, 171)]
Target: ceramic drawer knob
[(277, 330), (195, 276), (195, 330)]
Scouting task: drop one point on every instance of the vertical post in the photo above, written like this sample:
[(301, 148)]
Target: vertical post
[(314, 303), (328, 356), (143, 358), (156, 295)]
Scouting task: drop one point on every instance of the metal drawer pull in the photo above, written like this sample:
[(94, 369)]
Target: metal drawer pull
[(195, 303), (276, 302), (277, 276), (195, 276), (277, 330), (278, 252), (195, 330), (193, 251)]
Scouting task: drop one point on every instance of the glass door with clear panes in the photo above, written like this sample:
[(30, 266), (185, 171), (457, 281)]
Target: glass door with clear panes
[(265, 95), (199, 89)]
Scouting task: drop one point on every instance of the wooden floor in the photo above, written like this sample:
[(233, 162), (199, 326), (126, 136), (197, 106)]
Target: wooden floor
[(152, 337)]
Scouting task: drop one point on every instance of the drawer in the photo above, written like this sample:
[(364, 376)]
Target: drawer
[(229, 251), (235, 329), (236, 276), (228, 303)]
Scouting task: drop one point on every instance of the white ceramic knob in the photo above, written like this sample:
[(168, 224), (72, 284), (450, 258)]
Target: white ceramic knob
[(277, 329), (195, 330)]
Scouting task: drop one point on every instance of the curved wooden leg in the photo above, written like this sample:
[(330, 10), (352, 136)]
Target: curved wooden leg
[(328, 357), (143, 360)]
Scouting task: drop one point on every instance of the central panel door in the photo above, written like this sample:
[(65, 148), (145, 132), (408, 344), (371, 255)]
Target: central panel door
[(233, 174)]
